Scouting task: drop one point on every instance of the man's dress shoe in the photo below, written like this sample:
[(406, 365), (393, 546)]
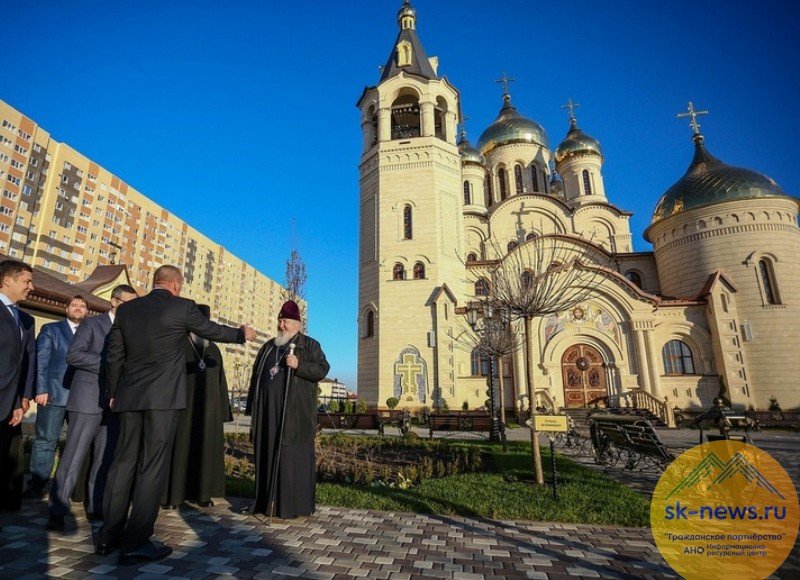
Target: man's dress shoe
[(55, 523), (148, 552), (105, 549)]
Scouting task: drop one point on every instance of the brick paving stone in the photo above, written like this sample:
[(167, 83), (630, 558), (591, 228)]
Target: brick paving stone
[(341, 543)]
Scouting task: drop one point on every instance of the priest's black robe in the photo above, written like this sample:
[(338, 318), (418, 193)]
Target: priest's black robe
[(296, 481), (197, 469)]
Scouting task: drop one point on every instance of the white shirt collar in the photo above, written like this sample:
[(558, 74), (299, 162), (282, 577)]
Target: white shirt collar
[(73, 326), (112, 315), (6, 300)]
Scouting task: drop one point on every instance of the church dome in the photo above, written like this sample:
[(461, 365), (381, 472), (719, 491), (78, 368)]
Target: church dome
[(709, 181), (577, 143), (468, 153), (511, 127)]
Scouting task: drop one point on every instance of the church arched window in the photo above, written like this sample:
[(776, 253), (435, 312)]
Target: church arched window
[(677, 358), (512, 246), (502, 183), (479, 363), (531, 236), (419, 271), (369, 324), (467, 193), (526, 280), (472, 257), (634, 277), (587, 183), (767, 275), (482, 287), (487, 191), (518, 178), (534, 178), (439, 122), (407, 223), (398, 272)]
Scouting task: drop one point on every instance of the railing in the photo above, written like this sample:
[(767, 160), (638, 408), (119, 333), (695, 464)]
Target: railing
[(641, 399)]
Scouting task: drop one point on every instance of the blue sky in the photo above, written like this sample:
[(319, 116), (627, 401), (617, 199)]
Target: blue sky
[(238, 116)]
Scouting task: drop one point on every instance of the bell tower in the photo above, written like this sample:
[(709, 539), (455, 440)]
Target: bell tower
[(410, 254)]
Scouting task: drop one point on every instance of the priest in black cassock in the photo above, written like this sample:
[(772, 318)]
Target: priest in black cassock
[(197, 469), (296, 478)]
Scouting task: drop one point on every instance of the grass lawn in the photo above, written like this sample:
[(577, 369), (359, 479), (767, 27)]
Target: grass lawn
[(506, 492)]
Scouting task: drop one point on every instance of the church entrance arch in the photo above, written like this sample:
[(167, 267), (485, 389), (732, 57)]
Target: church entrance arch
[(584, 376)]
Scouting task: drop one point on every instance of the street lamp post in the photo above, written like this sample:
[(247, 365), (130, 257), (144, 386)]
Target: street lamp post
[(485, 313)]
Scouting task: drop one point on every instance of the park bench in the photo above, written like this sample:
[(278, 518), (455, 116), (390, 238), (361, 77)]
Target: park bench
[(630, 438), (349, 421), (455, 423), (400, 419), (726, 420)]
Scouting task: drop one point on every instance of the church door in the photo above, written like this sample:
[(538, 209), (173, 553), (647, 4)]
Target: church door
[(584, 376)]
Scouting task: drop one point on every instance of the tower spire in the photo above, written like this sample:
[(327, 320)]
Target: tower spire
[(697, 136)]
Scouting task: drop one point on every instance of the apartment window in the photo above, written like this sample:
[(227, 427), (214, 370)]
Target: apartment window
[(14, 180)]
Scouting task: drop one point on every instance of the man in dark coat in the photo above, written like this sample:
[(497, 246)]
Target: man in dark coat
[(296, 478), (146, 387), (89, 416), (53, 378), (197, 471), (17, 372)]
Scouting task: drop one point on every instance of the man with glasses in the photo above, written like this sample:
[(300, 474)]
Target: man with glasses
[(90, 420)]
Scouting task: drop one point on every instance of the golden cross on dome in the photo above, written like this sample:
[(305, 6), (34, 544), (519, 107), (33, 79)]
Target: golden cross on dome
[(571, 106), (505, 81), (693, 114)]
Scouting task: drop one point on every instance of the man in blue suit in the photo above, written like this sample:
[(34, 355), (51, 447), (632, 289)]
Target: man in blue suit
[(52, 382), (17, 367), (90, 420)]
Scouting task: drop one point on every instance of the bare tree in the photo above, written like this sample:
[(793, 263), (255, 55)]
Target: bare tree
[(491, 333), (546, 275)]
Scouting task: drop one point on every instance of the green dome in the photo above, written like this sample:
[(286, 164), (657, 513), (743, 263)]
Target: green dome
[(511, 127), (709, 181), (577, 143), (468, 153)]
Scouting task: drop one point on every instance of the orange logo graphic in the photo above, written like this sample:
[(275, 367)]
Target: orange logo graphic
[(725, 508)]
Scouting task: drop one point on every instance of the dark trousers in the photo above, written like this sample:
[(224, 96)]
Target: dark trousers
[(139, 474), (10, 466), (84, 431)]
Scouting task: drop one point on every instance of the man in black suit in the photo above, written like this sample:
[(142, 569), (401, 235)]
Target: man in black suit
[(147, 386), (17, 363), (87, 405)]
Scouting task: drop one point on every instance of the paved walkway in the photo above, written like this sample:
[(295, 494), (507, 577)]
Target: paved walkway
[(345, 543), (338, 543)]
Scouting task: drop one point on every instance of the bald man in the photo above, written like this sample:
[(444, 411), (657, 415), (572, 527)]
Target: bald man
[(147, 387)]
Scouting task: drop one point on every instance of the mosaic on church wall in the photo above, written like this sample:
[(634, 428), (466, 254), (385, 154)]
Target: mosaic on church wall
[(584, 315)]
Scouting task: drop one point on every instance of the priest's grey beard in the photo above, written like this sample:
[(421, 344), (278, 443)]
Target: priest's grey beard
[(283, 337)]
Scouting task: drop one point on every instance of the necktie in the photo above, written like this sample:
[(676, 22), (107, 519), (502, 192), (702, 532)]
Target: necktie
[(15, 313)]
